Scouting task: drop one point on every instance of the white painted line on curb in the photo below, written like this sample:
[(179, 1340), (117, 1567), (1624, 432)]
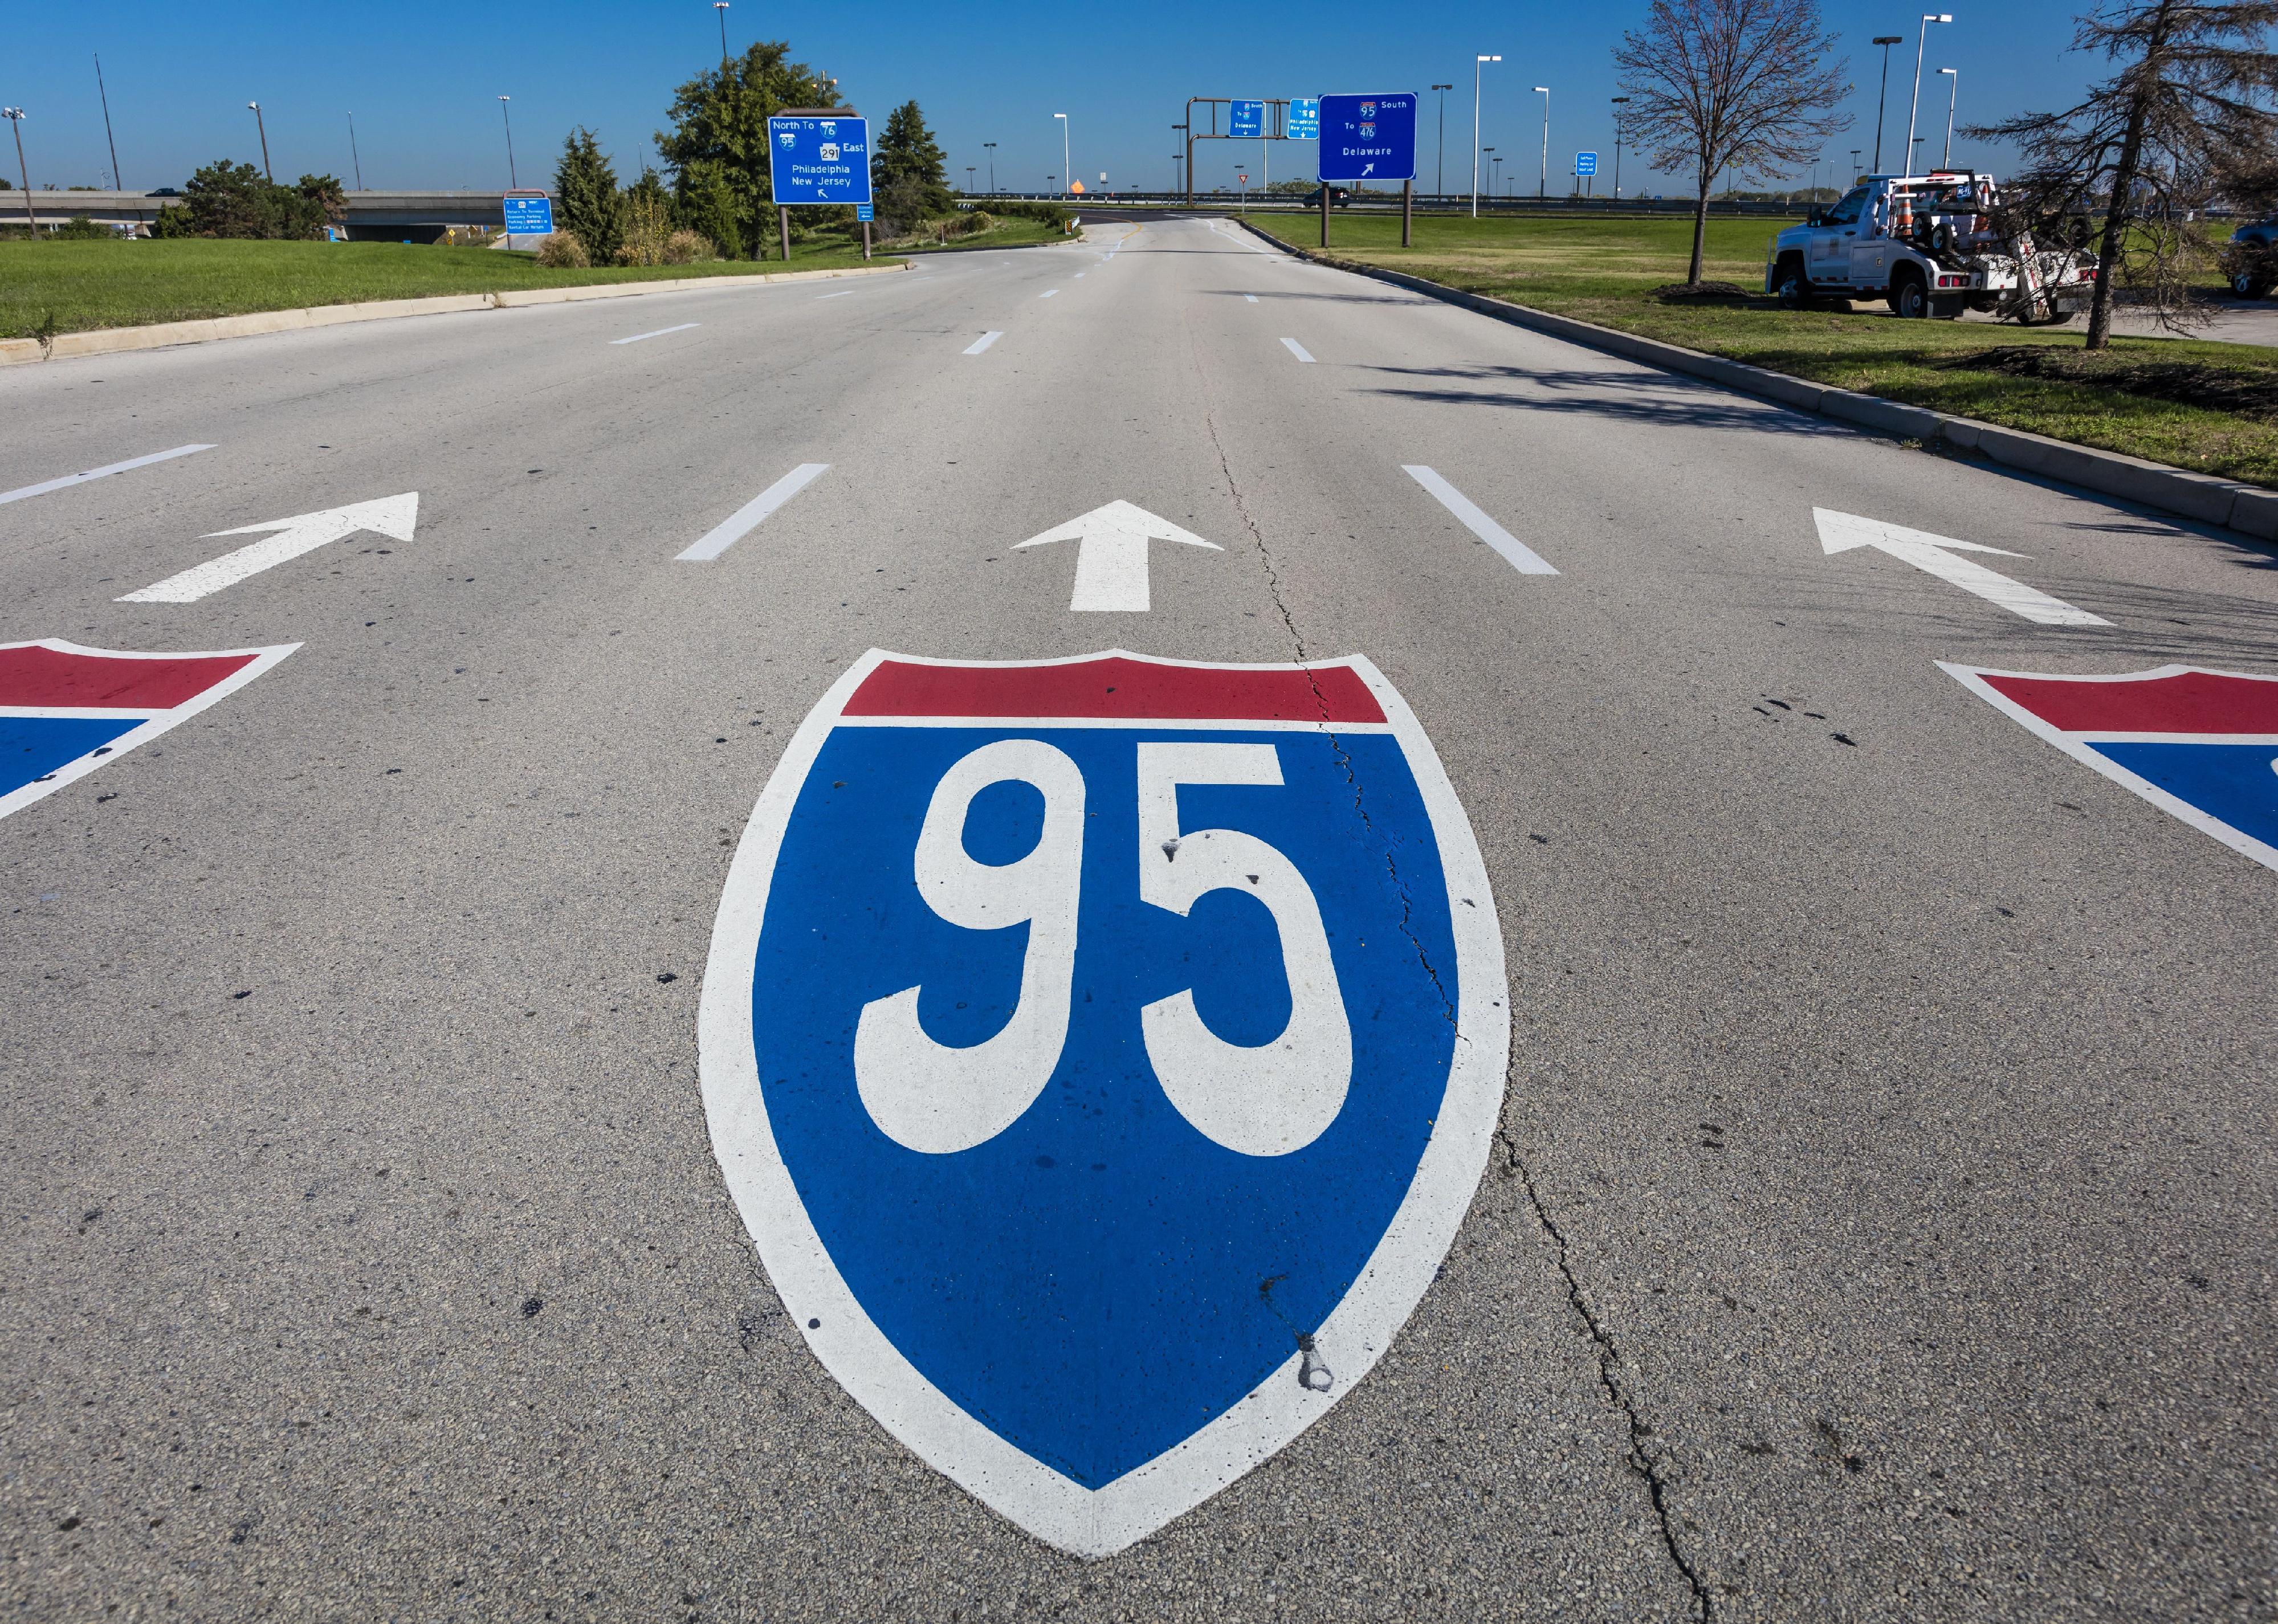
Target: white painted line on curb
[(1298, 349), (1048, 292), (747, 518), (1521, 557), (659, 333), (982, 342), (45, 486), (393, 517)]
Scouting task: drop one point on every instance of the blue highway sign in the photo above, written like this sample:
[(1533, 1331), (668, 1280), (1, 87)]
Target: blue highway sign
[(1100, 1083), (1586, 162), (1246, 119), (1368, 137), (529, 216), (815, 158), (865, 211), (1304, 120)]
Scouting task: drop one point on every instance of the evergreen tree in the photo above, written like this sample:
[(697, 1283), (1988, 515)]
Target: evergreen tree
[(2185, 119), (908, 170), (586, 187), (717, 147)]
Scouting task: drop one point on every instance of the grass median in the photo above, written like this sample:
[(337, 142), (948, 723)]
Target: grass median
[(2198, 404), (58, 287)]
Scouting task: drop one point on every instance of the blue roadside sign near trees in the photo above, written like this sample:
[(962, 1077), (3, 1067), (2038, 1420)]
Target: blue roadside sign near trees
[(820, 158)]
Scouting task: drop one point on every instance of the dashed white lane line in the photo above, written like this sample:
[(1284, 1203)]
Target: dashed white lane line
[(659, 333), (1251, 297), (1048, 292), (747, 518), (842, 293), (1521, 557), (982, 342), (46, 485), (1298, 349)]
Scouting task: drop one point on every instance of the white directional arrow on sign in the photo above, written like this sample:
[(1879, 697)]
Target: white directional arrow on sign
[(1840, 532), (1111, 567), (389, 515)]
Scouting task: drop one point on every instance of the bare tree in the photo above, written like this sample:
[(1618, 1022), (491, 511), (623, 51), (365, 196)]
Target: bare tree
[(2181, 123), (1735, 85)]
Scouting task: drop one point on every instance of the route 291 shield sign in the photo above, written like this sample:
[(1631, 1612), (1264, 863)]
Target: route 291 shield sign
[(2201, 744), (1102, 1054)]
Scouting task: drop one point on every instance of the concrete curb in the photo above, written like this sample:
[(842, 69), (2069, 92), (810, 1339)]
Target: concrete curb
[(114, 340), (2248, 509)]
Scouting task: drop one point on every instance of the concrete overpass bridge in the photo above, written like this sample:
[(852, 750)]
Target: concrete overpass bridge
[(372, 216)]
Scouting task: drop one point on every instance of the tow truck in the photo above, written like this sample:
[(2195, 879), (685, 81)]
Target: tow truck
[(1932, 246)]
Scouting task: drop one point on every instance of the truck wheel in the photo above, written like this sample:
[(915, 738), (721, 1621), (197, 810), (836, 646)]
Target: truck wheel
[(2247, 285), (1792, 287), (2045, 315), (1909, 298)]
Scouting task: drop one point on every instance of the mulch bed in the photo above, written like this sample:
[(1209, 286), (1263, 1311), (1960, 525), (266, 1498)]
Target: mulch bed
[(2248, 393)]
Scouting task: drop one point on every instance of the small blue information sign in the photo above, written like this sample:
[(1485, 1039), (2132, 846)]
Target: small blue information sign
[(1586, 162), (1304, 120), (529, 216), (1368, 137), (820, 158), (865, 211), (1246, 119)]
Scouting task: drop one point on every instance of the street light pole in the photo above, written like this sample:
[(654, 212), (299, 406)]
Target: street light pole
[(1952, 95), (1475, 132), (1883, 96), (1620, 101), (512, 181), (992, 166), (721, 6), (1915, 106), (15, 116), (1067, 173), (355, 156), (107, 135), (1544, 194), (264, 128), (1440, 187)]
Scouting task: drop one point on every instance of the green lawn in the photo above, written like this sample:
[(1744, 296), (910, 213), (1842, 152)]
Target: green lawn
[(2130, 399), (1010, 231), (85, 285)]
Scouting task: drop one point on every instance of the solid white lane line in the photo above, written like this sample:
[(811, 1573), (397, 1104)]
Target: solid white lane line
[(45, 486), (1522, 558), (747, 518), (982, 342), (659, 333), (1296, 349), (1048, 292)]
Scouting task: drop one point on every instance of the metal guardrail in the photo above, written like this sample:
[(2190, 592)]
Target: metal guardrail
[(1433, 203)]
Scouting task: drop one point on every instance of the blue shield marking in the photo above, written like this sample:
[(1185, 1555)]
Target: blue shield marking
[(1229, 1115)]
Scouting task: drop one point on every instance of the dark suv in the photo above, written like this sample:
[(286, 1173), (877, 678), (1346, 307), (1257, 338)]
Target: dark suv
[(2251, 262)]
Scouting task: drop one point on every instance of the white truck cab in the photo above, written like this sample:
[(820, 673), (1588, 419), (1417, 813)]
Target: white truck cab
[(1928, 244)]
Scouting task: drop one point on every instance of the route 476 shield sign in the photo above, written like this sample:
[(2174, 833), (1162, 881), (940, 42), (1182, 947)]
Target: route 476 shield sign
[(1102, 1054)]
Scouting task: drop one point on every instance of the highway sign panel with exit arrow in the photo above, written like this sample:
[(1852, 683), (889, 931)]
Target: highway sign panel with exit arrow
[(1246, 119), (1302, 122), (1369, 137), (822, 158)]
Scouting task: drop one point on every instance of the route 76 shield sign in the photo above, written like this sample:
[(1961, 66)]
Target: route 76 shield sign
[(1102, 1054)]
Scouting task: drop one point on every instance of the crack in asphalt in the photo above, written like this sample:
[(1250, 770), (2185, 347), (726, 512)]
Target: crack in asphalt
[(1640, 1459)]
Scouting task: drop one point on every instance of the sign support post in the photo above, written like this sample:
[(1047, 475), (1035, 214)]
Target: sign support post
[(782, 229), (1324, 214), (1408, 213)]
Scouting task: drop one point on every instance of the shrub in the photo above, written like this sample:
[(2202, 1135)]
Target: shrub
[(173, 220), (1051, 214), (80, 228), (684, 248), (563, 251)]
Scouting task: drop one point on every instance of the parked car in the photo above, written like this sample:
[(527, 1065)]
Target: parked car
[(2252, 262)]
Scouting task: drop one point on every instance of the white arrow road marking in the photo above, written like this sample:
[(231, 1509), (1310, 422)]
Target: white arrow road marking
[(390, 515), (1522, 558), (46, 485), (746, 519), (1840, 532), (1111, 562), (659, 333), (1298, 349), (982, 342)]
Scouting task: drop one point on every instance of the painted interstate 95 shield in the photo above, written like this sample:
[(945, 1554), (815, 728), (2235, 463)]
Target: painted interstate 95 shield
[(1102, 1053)]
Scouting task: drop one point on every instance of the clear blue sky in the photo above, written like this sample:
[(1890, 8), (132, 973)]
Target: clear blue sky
[(422, 78)]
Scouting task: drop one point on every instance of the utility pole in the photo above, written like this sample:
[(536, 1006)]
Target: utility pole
[(113, 140), (514, 182), (15, 116), (1952, 95), (1544, 194), (1475, 138), (355, 157), (1883, 96), (264, 128), (992, 166), (1915, 106), (1067, 173), (1620, 101), (1440, 187)]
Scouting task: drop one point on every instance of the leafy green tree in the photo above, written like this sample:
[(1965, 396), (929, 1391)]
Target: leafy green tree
[(717, 147), (586, 186), (228, 200), (907, 169), (325, 196)]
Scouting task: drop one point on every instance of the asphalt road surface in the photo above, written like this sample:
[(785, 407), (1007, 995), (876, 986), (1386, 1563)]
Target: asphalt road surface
[(1879, 1220)]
